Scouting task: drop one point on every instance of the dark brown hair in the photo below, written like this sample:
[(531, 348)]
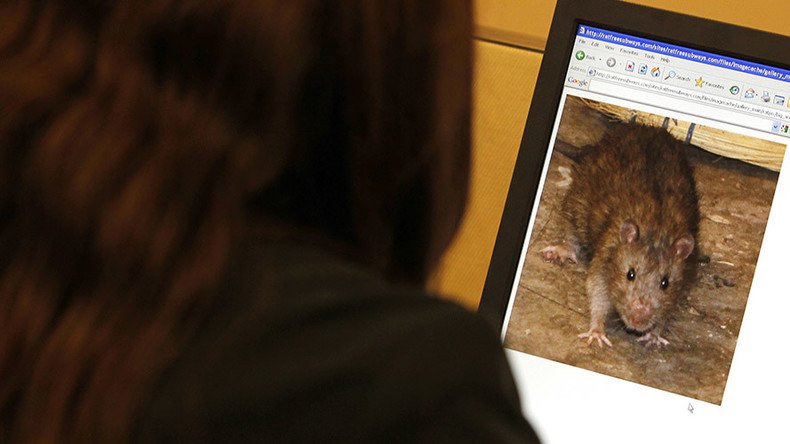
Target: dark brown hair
[(140, 140)]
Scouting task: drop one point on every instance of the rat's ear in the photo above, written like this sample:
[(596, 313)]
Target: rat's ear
[(629, 232), (683, 246)]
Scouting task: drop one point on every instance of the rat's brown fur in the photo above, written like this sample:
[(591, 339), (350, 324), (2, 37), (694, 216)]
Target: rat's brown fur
[(632, 206)]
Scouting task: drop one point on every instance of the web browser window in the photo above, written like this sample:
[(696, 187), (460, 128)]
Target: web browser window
[(733, 117), (711, 86)]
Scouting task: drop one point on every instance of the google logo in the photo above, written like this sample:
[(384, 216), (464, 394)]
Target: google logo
[(581, 83)]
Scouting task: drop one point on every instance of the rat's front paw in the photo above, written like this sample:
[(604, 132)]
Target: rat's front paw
[(558, 254), (597, 335), (652, 339)]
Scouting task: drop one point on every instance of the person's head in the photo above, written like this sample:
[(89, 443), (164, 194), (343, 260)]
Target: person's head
[(140, 139)]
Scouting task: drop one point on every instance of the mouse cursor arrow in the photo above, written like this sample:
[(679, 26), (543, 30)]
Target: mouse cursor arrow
[(691, 408)]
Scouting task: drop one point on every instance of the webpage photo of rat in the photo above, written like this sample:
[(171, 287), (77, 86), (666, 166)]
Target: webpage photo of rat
[(643, 249)]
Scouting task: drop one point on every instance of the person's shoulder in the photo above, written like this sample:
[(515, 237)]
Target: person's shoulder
[(446, 380), (317, 348)]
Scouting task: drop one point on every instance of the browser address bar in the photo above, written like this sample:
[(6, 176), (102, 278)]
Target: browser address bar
[(692, 102)]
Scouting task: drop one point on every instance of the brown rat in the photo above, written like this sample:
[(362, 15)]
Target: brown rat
[(632, 213)]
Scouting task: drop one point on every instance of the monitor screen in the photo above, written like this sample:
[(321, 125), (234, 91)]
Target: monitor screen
[(650, 291)]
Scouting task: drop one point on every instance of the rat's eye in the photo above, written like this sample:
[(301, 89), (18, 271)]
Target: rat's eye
[(664, 282), (630, 275)]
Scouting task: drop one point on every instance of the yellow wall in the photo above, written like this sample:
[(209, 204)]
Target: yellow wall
[(505, 77)]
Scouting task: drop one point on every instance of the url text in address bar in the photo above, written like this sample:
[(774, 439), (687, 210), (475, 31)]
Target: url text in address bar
[(691, 102)]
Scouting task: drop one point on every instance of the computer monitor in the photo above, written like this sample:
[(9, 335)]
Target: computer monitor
[(639, 276)]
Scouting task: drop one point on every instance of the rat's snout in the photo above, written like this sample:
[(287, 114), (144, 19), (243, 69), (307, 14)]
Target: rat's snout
[(639, 315)]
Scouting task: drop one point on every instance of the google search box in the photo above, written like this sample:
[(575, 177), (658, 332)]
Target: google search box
[(691, 102)]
